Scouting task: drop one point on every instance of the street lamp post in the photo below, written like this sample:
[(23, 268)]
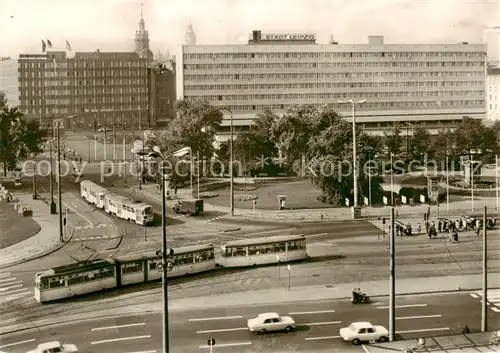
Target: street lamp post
[(354, 156), (51, 180), (231, 184), (58, 124)]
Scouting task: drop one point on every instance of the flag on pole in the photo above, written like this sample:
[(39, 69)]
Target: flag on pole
[(68, 46), (49, 44), (182, 152), (44, 46)]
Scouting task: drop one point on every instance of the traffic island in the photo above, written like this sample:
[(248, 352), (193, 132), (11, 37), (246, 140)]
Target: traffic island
[(228, 230)]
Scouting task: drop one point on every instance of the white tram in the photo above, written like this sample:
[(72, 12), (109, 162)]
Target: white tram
[(76, 279), (127, 209), (93, 193), (260, 251)]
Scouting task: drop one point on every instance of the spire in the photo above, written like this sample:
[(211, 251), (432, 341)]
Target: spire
[(332, 41), (141, 22)]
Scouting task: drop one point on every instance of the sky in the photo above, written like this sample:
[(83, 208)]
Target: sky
[(109, 25)]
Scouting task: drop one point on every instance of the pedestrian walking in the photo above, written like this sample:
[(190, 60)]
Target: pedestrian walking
[(419, 228)]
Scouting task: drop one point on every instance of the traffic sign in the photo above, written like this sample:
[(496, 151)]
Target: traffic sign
[(58, 123), (211, 341)]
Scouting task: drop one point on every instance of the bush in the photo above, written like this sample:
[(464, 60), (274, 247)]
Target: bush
[(208, 194), (413, 193), (245, 197)]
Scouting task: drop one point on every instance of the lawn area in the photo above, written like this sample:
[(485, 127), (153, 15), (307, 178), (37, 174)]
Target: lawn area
[(300, 195), (14, 227)]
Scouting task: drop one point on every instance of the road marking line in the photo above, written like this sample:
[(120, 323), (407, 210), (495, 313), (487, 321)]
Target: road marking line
[(365, 349), (5, 274), (224, 330), (13, 297), (216, 318), (144, 352), (315, 235), (10, 284), (474, 295), (121, 339), (80, 214), (17, 343), (425, 330), (228, 344), (320, 338), (272, 231), (495, 309), (321, 323), (311, 312), (403, 306), (7, 280), (15, 290), (494, 300), (417, 317), (118, 326), (7, 288)]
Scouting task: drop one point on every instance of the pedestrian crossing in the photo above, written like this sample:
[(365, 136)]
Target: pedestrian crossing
[(11, 288), (92, 226), (96, 237), (257, 281), (493, 300), (201, 220)]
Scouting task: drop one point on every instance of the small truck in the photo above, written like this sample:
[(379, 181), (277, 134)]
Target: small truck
[(189, 207)]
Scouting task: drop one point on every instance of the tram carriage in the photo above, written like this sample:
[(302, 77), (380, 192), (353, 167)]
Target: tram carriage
[(93, 193), (261, 251), (127, 209), (77, 279)]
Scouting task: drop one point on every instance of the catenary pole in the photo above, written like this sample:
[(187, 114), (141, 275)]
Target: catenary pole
[(484, 304), (392, 301)]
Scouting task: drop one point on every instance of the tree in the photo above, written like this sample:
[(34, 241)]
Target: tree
[(473, 134), (256, 144), (3, 100), (419, 144), (393, 140), (292, 131), (328, 157), (19, 137)]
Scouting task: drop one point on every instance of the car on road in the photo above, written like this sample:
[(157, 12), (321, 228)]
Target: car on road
[(271, 322), (55, 347), (364, 331)]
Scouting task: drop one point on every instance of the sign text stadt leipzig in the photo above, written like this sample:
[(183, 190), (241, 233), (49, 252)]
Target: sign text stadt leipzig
[(288, 37)]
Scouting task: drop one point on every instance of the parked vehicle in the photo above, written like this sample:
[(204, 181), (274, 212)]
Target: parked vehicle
[(358, 332), (55, 347), (189, 207), (270, 322)]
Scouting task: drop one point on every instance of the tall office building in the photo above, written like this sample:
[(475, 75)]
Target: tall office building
[(493, 93), (492, 40), (94, 86), (430, 85)]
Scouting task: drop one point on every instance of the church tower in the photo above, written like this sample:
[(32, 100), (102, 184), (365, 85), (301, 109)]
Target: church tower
[(190, 36), (142, 40)]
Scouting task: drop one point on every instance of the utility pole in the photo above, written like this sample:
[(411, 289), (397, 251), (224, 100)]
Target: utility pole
[(392, 294), (164, 263), (61, 230), (34, 181), (51, 180), (105, 138), (484, 306), (114, 139)]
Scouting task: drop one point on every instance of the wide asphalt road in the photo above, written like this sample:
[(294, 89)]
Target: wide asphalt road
[(318, 326)]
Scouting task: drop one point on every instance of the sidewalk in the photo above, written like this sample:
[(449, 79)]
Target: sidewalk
[(405, 286), (44, 242), (330, 214), (440, 344)]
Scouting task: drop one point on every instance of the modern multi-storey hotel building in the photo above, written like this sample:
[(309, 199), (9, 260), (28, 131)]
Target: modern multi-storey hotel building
[(431, 85)]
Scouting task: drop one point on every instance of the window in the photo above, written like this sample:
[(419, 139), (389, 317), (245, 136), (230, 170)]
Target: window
[(132, 267)]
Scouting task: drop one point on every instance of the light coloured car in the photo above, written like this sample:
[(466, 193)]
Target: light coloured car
[(55, 347), (358, 332), (270, 322)]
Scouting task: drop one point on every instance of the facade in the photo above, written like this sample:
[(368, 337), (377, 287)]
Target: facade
[(161, 94), (431, 85), (96, 87), (493, 93)]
